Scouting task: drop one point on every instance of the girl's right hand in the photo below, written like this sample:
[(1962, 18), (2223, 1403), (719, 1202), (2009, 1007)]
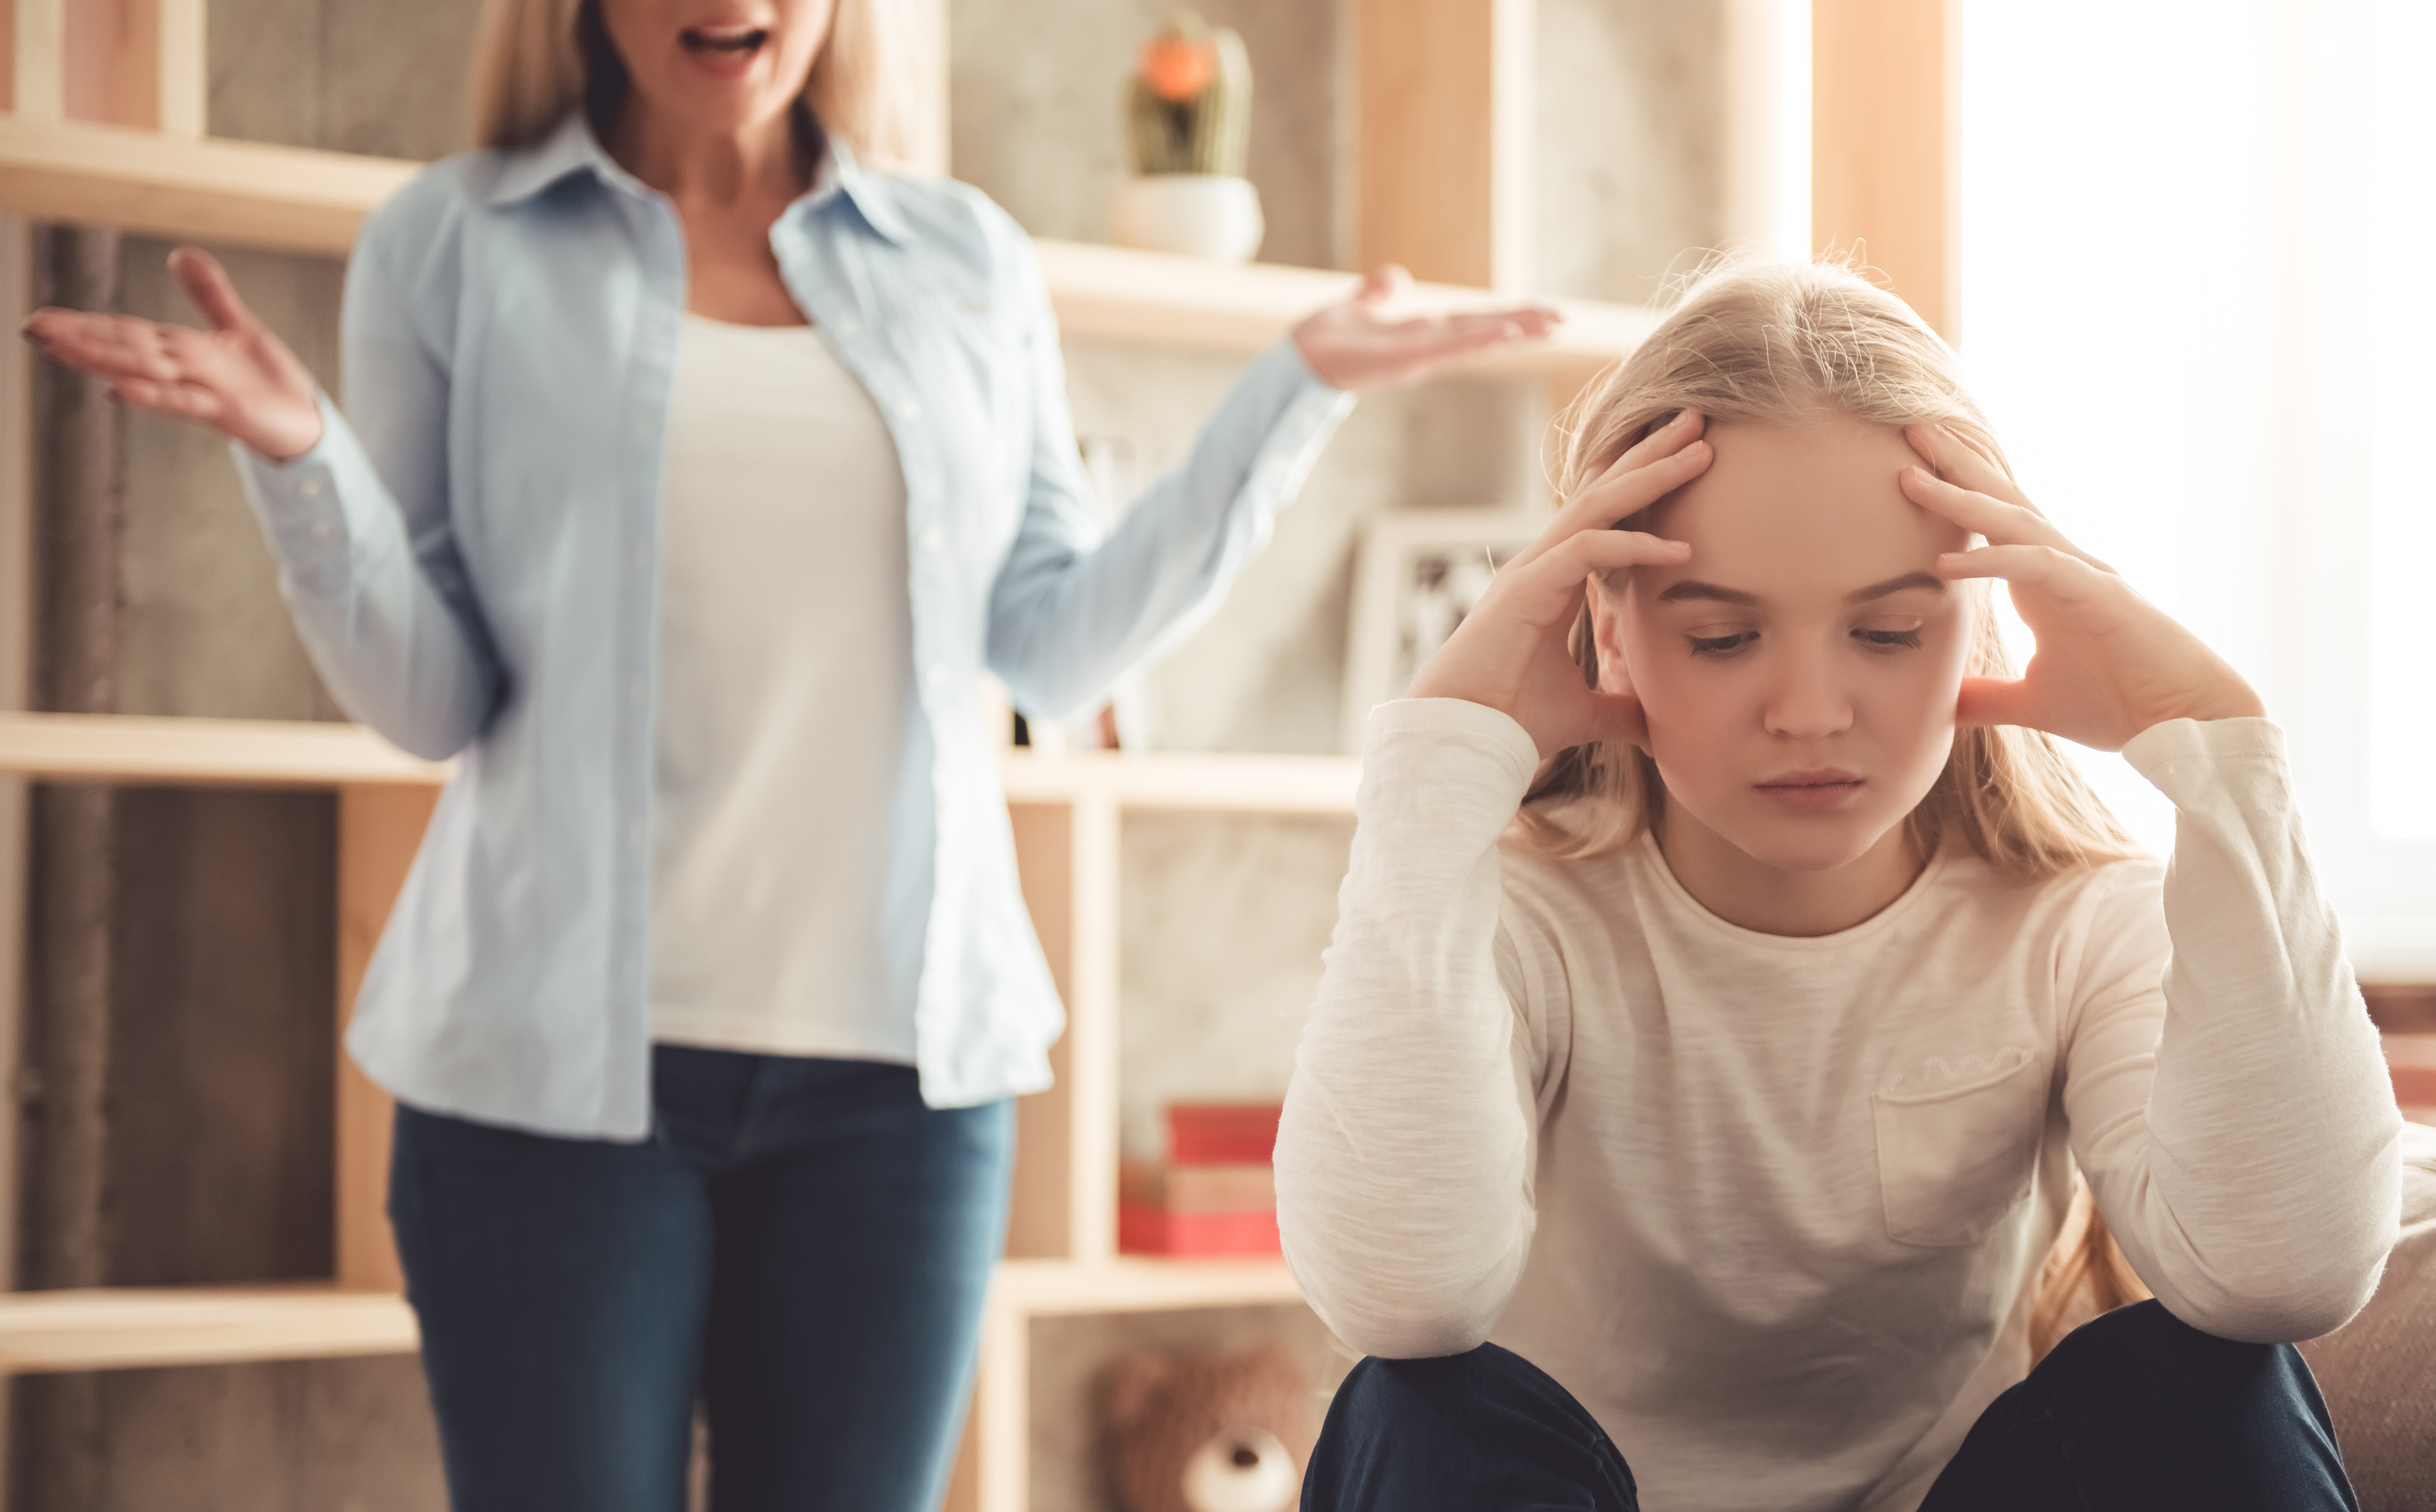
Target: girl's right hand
[(1510, 653), (236, 378)]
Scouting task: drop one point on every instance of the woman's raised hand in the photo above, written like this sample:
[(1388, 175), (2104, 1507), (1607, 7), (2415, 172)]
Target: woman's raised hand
[(2109, 664), (1510, 653), (1354, 345), (236, 378)]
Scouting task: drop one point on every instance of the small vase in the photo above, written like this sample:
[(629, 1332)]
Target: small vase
[(1200, 215)]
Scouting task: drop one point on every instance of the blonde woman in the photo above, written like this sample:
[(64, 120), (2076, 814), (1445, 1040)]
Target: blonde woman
[(694, 470), (1698, 1139)]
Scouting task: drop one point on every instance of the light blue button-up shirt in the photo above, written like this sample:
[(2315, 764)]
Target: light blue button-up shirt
[(473, 566)]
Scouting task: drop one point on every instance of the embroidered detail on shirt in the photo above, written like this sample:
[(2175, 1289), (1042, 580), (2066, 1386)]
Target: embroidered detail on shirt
[(1940, 1073)]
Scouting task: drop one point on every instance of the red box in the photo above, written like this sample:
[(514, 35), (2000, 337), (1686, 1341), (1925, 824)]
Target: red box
[(1143, 1230), (1221, 1134)]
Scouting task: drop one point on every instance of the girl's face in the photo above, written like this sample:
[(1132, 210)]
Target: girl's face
[(1798, 671), (719, 66)]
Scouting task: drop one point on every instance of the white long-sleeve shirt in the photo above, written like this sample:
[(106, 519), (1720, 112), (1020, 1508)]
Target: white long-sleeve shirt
[(1773, 1208)]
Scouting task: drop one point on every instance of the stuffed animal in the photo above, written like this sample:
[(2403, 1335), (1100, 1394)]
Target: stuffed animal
[(1208, 1432)]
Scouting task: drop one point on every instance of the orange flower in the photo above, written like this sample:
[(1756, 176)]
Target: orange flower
[(1176, 69)]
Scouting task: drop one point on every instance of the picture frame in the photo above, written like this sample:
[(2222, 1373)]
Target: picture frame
[(1417, 573)]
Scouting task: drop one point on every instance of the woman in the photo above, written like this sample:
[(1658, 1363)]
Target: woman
[(693, 474)]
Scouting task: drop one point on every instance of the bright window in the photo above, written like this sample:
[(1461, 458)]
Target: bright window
[(2199, 301)]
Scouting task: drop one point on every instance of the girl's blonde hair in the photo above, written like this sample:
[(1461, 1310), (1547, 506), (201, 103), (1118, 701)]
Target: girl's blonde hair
[(534, 61), (1800, 342)]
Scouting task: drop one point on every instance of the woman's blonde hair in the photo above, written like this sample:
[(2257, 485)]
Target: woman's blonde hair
[(1800, 343), (534, 61)]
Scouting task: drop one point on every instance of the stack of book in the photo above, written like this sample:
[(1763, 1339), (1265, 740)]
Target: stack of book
[(1215, 1195)]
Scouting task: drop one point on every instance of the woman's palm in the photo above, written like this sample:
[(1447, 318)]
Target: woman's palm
[(236, 378)]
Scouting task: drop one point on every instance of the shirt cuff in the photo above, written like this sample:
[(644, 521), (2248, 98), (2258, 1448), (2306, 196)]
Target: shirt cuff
[(1447, 753), (1308, 410), (301, 503), (2159, 750)]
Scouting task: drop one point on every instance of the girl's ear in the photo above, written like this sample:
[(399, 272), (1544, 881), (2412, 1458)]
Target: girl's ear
[(1606, 611)]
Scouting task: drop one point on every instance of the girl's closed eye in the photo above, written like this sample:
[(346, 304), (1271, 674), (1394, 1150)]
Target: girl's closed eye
[(1719, 642), (1889, 637)]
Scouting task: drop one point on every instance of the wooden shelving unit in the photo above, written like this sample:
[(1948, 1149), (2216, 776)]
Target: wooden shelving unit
[(150, 167)]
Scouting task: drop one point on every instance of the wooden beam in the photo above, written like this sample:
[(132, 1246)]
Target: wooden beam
[(1884, 147), (37, 42), (1443, 101), (118, 1329), (379, 830), (181, 79), (292, 199)]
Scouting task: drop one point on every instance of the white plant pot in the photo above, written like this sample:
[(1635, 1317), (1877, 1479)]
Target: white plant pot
[(1200, 215)]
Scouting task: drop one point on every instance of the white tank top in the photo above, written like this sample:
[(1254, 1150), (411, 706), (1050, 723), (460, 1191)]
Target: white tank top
[(786, 687)]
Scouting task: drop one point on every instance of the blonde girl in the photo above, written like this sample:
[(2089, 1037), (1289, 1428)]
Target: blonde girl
[(696, 466), (1732, 983)]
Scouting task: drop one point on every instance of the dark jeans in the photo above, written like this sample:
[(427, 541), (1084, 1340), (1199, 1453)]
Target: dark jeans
[(801, 1246), (2135, 1412)]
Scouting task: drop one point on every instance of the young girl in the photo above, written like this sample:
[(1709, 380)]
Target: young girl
[(1737, 1091)]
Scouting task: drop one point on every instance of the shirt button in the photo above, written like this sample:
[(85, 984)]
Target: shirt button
[(933, 538), (324, 529), (310, 488), (908, 409)]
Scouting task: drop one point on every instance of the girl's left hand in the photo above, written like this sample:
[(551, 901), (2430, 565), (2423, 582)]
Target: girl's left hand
[(2109, 664), (1354, 346)]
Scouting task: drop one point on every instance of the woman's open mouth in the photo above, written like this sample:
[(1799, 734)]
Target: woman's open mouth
[(724, 44)]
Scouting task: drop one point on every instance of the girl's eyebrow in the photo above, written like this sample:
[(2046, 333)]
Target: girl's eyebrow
[(1908, 581), (1693, 590)]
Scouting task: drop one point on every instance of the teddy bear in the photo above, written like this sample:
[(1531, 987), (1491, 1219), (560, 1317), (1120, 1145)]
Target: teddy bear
[(1220, 1432)]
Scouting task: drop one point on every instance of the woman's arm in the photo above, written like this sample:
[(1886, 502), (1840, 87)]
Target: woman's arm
[(1071, 611), (360, 529), (1405, 1156), (2235, 1119)]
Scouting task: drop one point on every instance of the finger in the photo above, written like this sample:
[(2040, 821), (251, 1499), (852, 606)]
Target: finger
[(2003, 524), (1622, 492), (1382, 283), (2046, 568), (1953, 456), (106, 350), (207, 284), (183, 401), (1562, 569), (1992, 700)]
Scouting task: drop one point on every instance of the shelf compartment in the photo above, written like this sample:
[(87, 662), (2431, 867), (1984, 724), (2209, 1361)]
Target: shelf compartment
[(133, 1328), (303, 199)]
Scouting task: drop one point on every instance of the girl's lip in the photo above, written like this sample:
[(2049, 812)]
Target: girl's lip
[(1814, 777), (1811, 790)]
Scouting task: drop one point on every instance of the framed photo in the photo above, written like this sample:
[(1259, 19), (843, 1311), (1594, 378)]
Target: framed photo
[(1419, 573)]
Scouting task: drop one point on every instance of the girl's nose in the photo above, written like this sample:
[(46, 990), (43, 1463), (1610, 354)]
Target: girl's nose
[(1808, 701)]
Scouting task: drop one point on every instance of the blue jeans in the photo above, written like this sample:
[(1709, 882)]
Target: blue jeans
[(2134, 1412), (802, 1247)]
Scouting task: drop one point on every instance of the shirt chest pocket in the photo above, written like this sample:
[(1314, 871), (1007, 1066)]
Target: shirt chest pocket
[(1957, 1148)]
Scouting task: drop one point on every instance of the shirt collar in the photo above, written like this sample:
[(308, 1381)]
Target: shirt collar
[(571, 147)]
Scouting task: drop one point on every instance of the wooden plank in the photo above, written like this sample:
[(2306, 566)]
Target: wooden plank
[(1038, 1224), (118, 1329), (1001, 1473), (292, 199), (1263, 784), (380, 828), (183, 78), (1444, 104), (1885, 147), (1091, 1003), (38, 38), (1037, 1289), (204, 752)]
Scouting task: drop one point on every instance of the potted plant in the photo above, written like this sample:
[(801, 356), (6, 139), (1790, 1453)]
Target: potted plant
[(1189, 111)]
